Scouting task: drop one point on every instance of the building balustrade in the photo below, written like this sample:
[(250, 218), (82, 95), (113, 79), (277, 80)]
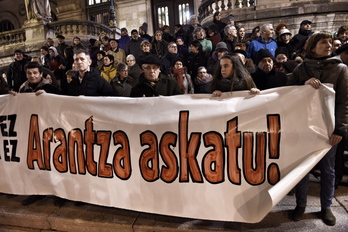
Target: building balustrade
[(12, 37), (208, 7)]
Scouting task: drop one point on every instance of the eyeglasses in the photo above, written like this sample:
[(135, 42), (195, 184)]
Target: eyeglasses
[(151, 67)]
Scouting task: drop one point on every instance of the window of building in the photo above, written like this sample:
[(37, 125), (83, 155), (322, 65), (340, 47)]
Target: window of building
[(98, 11), (6, 26)]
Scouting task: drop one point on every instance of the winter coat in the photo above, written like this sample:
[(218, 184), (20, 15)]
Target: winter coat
[(165, 86), (108, 72), (258, 44), (92, 84), (119, 56), (269, 80), (329, 70), (27, 87), (122, 88), (16, 75)]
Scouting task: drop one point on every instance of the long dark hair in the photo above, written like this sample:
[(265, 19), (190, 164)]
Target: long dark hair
[(239, 72)]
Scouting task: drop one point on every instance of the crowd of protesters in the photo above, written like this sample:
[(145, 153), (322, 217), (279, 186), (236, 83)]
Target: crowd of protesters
[(212, 60)]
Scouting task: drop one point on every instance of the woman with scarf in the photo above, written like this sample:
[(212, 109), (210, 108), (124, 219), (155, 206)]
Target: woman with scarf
[(179, 73), (232, 76)]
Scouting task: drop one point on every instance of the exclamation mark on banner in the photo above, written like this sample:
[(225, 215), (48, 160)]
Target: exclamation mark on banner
[(273, 124)]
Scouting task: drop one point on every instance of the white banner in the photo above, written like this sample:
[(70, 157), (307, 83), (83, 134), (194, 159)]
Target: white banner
[(229, 158)]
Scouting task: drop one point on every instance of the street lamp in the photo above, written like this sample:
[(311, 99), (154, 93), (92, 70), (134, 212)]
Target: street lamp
[(112, 18)]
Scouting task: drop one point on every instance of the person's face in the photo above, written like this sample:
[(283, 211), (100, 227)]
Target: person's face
[(107, 60), (49, 79), (226, 67), (179, 42), (141, 31), (105, 42), (201, 73), (323, 48), (241, 32), (218, 17), (268, 33), (194, 21), (220, 53), (82, 62), (200, 34), (130, 61), (343, 36), (146, 47), (232, 32), (285, 38), (18, 56), (124, 33), (76, 41), (266, 64), (305, 26), (123, 73), (99, 56), (49, 42), (34, 76), (60, 40), (230, 21), (178, 65), (167, 30), (242, 57), (51, 52), (281, 58), (113, 44), (158, 36), (194, 49), (151, 71), (176, 29), (135, 35), (344, 57), (43, 52), (173, 48), (336, 44)]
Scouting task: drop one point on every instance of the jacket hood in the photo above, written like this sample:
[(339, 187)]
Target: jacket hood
[(55, 51)]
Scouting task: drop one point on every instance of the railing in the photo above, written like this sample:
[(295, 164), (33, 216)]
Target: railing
[(71, 28), (208, 7), (12, 37)]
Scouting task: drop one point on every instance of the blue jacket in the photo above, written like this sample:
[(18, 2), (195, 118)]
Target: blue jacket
[(258, 44)]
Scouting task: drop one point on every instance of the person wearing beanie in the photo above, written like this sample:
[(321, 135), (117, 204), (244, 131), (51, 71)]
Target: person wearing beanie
[(265, 41), (154, 83), (304, 32), (124, 38), (143, 32), (16, 75), (213, 61), (230, 20), (265, 77)]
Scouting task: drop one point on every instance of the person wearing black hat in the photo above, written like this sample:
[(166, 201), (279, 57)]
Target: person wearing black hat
[(143, 32), (265, 76), (16, 75), (61, 44), (154, 83), (304, 32), (342, 52), (118, 53)]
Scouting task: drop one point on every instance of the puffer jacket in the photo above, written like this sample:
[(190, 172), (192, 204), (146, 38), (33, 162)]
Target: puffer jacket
[(329, 70)]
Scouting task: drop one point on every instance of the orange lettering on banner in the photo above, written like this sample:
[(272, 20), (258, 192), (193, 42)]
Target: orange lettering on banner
[(273, 123), (89, 141), (148, 161), (170, 171), (233, 143), (122, 160), (76, 146), (34, 147), (213, 160), (60, 153), (47, 139), (188, 151), (103, 139), (254, 176)]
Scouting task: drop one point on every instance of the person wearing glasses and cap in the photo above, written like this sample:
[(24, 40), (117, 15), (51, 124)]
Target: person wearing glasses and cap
[(154, 83)]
